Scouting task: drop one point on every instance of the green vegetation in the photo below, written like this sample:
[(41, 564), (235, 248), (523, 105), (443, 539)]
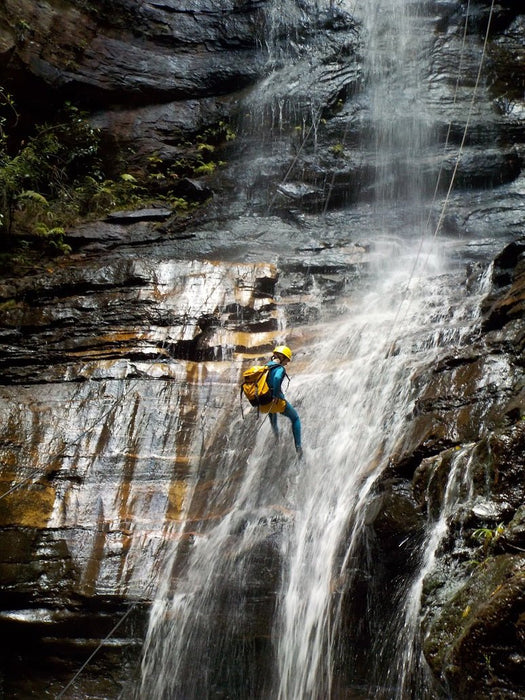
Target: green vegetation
[(205, 168), (199, 159), (338, 149), (488, 536), (38, 177), (56, 177)]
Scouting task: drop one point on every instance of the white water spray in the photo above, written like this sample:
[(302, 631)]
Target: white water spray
[(360, 401), (406, 673), (354, 397), (355, 403)]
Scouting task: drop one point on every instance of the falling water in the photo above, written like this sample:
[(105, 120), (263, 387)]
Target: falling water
[(407, 673), (357, 405), (359, 402), (396, 42), (207, 636)]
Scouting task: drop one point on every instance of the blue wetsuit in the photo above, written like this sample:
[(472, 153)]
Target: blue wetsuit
[(275, 379)]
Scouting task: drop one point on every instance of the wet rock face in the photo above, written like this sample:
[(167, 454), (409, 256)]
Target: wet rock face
[(143, 331), (504, 307), (154, 73), (76, 513), (119, 406), (474, 598), (331, 166), (94, 301), (476, 642), (132, 52)]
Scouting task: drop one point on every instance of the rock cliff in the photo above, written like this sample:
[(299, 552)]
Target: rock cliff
[(120, 362)]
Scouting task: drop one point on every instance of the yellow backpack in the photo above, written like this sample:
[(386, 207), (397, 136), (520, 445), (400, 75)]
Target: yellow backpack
[(256, 388), (255, 385)]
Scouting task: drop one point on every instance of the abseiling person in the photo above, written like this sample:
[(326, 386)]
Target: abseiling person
[(281, 356)]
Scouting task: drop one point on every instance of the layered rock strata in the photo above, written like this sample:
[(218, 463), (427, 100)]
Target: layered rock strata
[(143, 330)]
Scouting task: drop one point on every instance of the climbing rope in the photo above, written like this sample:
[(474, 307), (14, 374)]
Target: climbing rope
[(93, 654), (445, 146), (467, 123), (459, 155), (454, 101)]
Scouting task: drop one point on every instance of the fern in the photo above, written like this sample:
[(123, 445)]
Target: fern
[(33, 197)]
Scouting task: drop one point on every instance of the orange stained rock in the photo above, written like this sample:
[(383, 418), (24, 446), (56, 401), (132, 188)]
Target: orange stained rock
[(116, 338), (176, 495), (10, 460), (183, 460), (27, 506), (256, 342)]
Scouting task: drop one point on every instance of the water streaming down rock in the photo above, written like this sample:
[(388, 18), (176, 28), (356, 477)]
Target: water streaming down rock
[(140, 429), (397, 44), (408, 675), (337, 508), (307, 523), (369, 401), (304, 524), (358, 407)]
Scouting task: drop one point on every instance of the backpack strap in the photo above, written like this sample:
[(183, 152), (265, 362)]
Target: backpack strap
[(240, 401)]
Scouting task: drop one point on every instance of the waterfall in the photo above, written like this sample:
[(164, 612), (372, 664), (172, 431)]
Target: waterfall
[(358, 402), (360, 399), (397, 41), (407, 672), (255, 606)]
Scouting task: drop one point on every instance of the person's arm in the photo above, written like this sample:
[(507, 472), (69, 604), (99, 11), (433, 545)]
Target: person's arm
[(275, 380)]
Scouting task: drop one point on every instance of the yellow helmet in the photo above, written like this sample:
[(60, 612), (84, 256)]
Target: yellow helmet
[(283, 350)]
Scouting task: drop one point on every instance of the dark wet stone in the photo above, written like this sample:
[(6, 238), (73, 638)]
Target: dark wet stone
[(397, 522), (474, 643), (153, 76), (135, 215), (505, 303)]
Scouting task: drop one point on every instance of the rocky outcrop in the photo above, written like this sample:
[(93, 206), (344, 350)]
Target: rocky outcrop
[(100, 353), (466, 444), (128, 52), (88, 534), (144, 329), (154, 76), (477, 615)]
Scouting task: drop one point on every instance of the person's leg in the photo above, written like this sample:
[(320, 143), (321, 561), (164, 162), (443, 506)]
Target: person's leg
[(273, 423), (292, 414)]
